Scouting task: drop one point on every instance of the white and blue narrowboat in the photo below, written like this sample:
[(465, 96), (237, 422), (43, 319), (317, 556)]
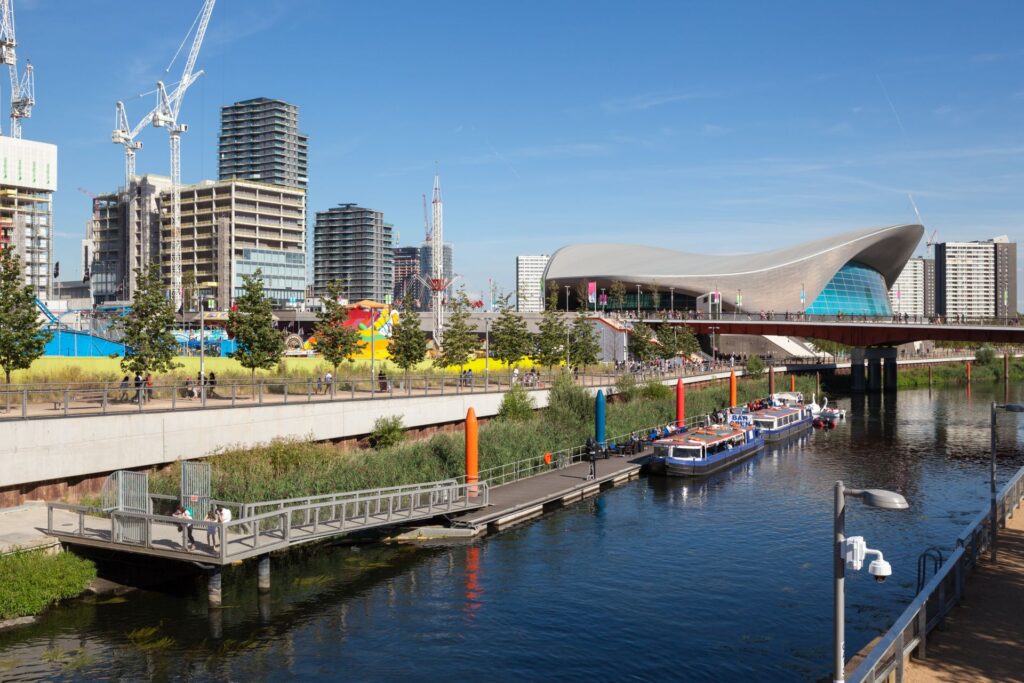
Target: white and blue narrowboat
[(705, 450), (778, 422)]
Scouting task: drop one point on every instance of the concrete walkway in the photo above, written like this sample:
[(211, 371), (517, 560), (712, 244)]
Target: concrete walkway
[(23, 527), (983, 639)]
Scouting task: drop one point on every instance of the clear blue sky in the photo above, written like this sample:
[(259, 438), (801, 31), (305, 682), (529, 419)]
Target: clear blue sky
[(710, 127)]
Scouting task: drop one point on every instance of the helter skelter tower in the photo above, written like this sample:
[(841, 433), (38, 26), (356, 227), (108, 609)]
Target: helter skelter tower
[(438, 283)]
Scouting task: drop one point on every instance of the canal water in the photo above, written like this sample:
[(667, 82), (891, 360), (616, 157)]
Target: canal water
[(661, 579)]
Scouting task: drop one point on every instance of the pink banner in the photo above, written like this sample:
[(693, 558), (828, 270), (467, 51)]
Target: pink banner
[(592, 292)]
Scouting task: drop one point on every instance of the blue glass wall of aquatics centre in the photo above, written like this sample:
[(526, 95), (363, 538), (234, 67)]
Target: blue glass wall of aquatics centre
[(855, 290)]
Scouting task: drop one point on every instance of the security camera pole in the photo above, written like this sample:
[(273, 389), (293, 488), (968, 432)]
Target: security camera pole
[(878, 498)]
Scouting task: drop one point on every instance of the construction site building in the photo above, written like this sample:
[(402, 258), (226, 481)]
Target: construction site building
[(28, 179)]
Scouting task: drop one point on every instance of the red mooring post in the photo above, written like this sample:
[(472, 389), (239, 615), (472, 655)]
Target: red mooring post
[(732, 388), (472, 462), (680, 403)]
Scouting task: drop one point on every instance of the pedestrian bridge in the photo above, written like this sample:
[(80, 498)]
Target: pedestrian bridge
[(259, 528)]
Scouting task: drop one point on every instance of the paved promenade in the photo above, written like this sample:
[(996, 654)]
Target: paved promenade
[(983, 639)]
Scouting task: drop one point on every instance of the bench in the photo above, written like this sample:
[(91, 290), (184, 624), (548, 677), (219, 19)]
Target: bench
[(94, 395)]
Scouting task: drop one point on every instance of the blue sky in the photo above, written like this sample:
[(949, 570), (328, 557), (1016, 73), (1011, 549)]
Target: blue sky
[(712, 127)]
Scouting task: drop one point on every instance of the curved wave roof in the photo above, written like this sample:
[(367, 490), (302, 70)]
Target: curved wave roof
[(768, 279)]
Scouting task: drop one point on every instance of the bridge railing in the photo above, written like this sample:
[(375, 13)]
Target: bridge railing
[(795, 316), (909, 634), (287, 523)]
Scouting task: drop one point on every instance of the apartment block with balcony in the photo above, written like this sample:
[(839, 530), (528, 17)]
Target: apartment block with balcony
[(231, 228), (353, 244), (260, 140)]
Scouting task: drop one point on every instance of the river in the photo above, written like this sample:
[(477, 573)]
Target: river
[(660, 579)]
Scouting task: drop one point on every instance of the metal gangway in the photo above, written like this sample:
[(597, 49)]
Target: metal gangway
[(258, 528)]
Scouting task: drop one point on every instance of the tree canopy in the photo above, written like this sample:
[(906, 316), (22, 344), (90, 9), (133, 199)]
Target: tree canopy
[(22, 340), (676, 340), (335, 341), (640, 346), (510, 337), (408, 345), (149, 342), (617, 294), (459, 342), (550, 340), (251, 323), (584, 346)]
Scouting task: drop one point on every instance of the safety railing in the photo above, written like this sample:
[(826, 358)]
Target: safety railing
[(692, 316), (909, 634), (511, 472), (290, 522)]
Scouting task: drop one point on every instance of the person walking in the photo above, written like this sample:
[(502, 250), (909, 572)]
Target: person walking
[(223, 516), (149, 386), (382, 380), (328, 378), (319, 383), (124, 388), (592, 457), (211, 528), (213, 383), (190, 388), (139, 385)]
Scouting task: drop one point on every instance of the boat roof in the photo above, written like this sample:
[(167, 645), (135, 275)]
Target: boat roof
[(780, 411), (702, 436)]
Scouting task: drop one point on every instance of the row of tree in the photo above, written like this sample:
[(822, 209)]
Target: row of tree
[(151, 347)]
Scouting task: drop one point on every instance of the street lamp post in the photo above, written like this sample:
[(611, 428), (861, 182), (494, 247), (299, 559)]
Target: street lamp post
[(672, 300), (638, 302), (487, 351), (567, 327), (852, 551), (994, 522), (604, 302)]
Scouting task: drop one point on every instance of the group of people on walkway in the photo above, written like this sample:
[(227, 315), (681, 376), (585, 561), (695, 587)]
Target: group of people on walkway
[(216, 516), (193, 388)]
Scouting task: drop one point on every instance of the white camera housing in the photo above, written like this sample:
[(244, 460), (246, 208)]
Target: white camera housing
[(880, 569)]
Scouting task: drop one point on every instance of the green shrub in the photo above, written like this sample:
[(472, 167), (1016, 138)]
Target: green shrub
[(755, 366), (387, 431), (517, 404), (568, 402), (625, 388), (984, 356), (32, 581), (656, 391)]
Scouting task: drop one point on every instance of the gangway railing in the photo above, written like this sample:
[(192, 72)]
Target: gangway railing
[(909, 634), (289, 522)]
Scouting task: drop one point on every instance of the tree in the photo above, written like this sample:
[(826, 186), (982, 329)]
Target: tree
[(335, 341), (460, 341), (251, 323), (580, 289), (408, 345), (149, 343), (510, 337), (617, 294), (584, 346), (755, 366), (676, 340), (188, 288), (549, 342), (640, 345), (21, 338)]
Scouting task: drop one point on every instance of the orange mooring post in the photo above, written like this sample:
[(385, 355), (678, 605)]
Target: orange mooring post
[(732, 388), (680, 403), (792, 382), (472, 463), (968, 372)]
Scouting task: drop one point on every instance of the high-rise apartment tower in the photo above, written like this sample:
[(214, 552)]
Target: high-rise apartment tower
[(976, 279), (530, 283), (353, 244), (260, 140), (28, 179)]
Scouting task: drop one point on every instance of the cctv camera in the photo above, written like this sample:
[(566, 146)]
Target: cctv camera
[(880, 569)]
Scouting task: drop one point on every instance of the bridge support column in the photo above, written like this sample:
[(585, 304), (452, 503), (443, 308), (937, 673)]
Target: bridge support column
[(213, 588), (263, 574), (857, 370), (891, 381)]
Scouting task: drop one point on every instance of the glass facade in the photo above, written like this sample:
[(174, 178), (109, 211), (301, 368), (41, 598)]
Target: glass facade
[(855, 290), (284, 274)]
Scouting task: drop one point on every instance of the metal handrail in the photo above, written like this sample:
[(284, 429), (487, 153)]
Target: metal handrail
[(911, 629)]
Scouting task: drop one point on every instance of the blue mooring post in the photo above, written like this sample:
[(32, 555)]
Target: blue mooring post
[(599, 418)]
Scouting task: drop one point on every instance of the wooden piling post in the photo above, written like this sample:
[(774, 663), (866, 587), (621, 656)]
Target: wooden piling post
[(263, 574)]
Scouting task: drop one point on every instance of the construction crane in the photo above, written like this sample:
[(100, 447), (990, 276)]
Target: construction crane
[(930, 244), (166, 116), (125, 136), (23, 89)]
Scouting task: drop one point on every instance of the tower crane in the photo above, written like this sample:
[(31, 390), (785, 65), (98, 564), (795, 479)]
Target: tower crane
[(23, 89), (125, 136), (166, 116), (438, 283)]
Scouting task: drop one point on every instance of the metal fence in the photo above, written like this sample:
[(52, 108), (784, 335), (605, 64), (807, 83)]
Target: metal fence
[(287, 522), (909, 634)]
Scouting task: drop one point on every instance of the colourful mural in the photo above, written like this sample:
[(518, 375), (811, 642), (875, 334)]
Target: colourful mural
[(374, 322)]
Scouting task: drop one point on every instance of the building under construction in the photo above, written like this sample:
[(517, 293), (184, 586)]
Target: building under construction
[(28, 179)]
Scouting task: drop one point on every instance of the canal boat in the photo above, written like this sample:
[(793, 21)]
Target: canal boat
[(705, 450), (777, 422)]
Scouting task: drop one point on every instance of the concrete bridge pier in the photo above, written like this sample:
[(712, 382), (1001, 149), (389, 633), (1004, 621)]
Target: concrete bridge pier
[(213, 588), (857, 370), (889, 369), (263, 574), (874, 374)]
